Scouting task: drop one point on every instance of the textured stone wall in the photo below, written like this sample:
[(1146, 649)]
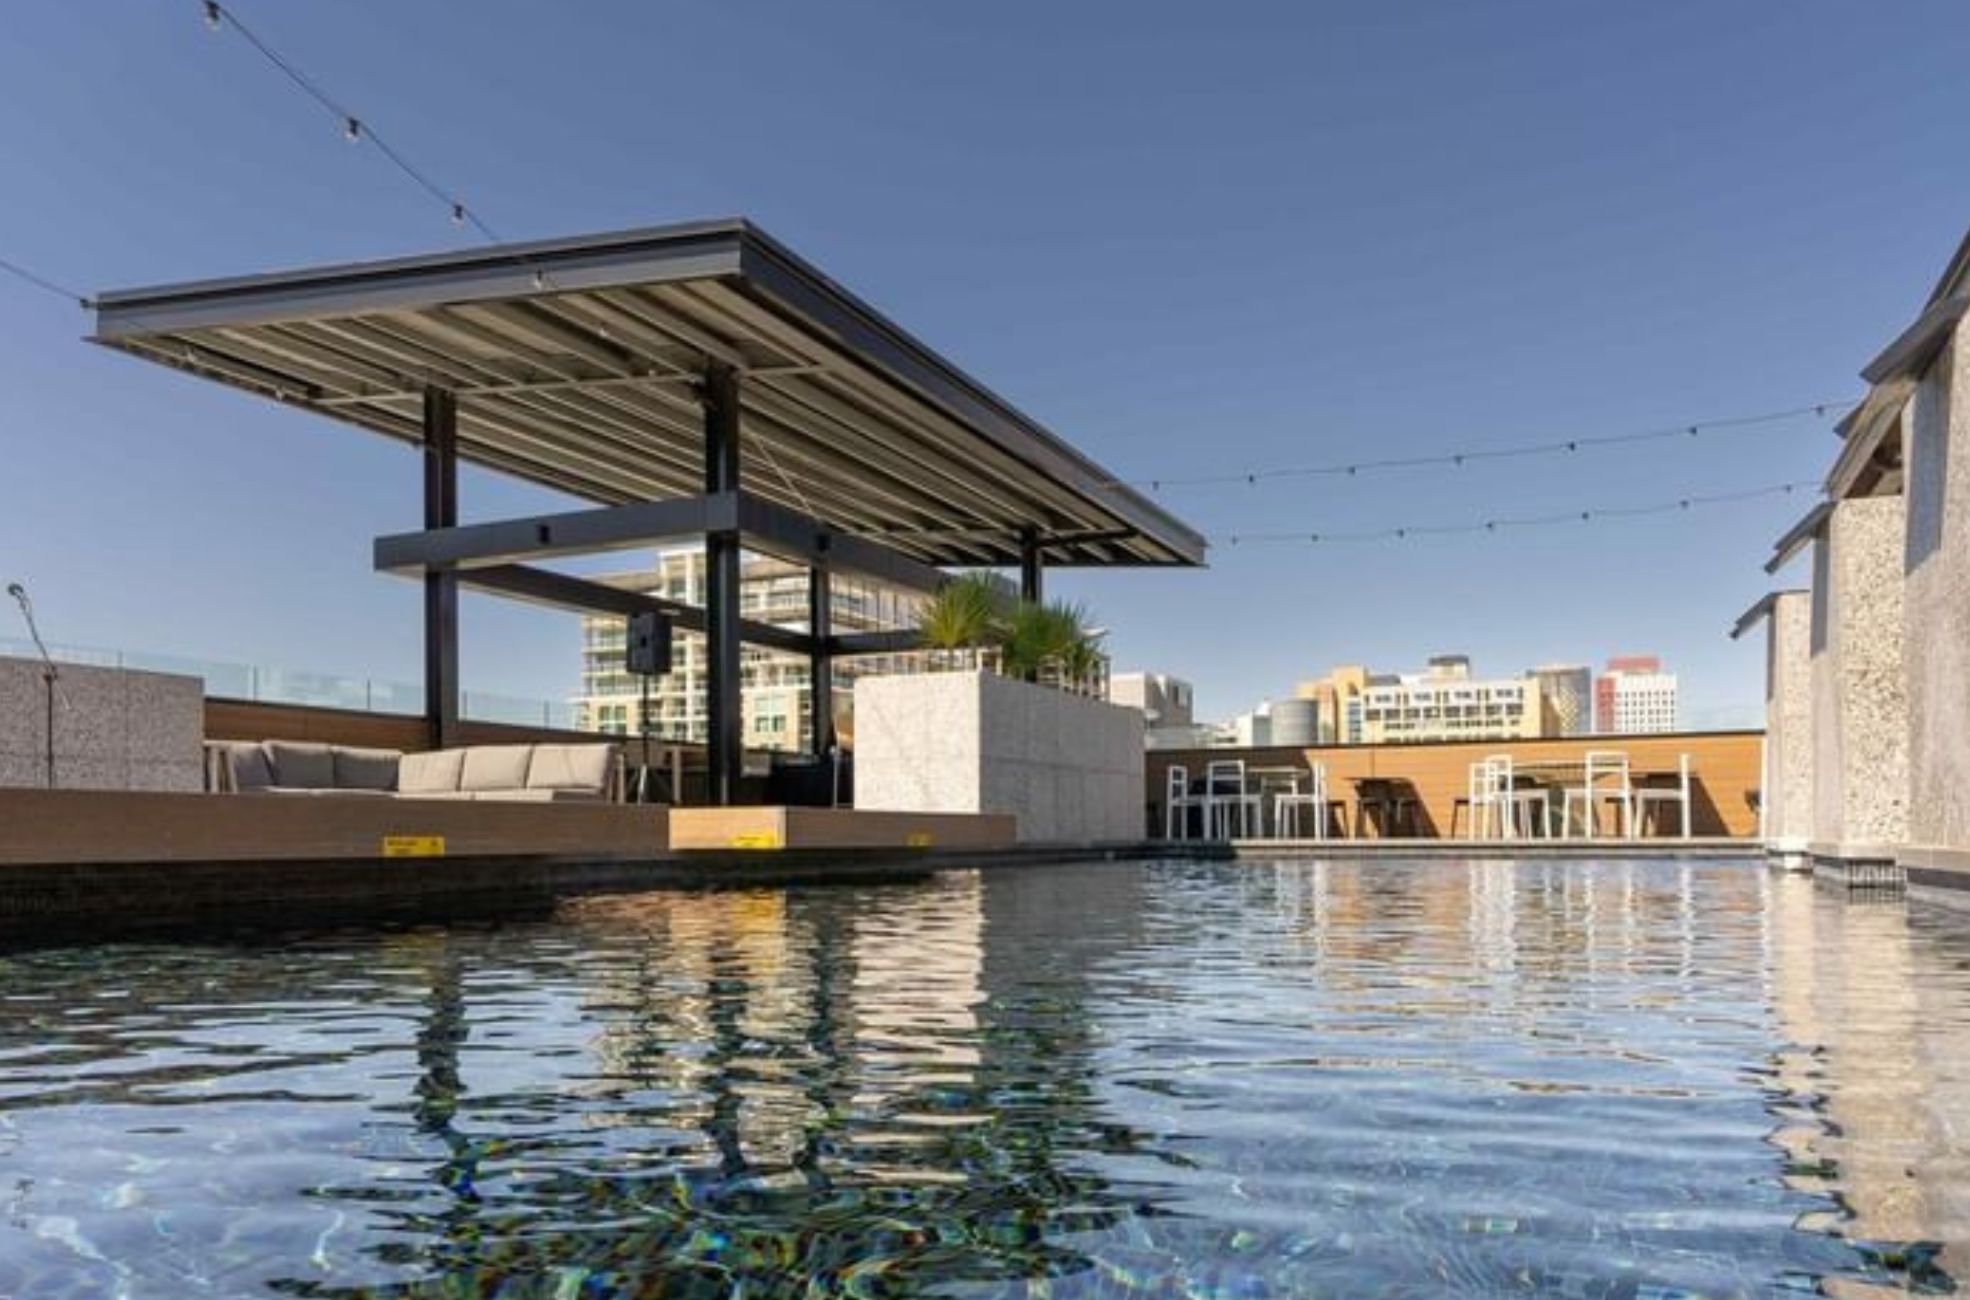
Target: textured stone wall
[(1788, 788), (1070, 769), (1938, 602), (1859, 693), (114, 729)]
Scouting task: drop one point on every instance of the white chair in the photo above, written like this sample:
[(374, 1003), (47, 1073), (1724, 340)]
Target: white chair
[(1226, 791), (1476, 794), (1286, 806), (1605, 780), (1649, 798), (1177, 802), (1516, 811)]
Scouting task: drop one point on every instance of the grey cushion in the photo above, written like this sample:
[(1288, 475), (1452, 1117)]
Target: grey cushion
[(251, 772), (436, 794), (435, 772), (366, 769), (584, 768), (302, 766), (496, 767)]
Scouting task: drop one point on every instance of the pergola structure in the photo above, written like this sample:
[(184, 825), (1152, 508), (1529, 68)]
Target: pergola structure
[(691, 382)]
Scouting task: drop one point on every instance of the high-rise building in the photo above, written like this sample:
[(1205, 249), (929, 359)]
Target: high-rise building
[(773, 683), (1634, 696), (1568, 690)]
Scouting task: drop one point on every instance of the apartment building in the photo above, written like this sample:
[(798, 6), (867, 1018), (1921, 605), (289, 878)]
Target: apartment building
[(1635, 697), (1568, 690), (1165, 701), (1444, 702), (773, 684)]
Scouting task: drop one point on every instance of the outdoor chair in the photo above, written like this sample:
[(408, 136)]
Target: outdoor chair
[(1606, 780), (1287, 804), (1648, 799), (1226, 791), (1178, 802)]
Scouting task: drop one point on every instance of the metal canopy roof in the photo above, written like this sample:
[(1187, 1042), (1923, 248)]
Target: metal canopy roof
[(575, 364)]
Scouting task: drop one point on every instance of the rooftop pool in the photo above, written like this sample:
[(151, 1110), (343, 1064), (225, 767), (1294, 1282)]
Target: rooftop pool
[(1625, 1080)]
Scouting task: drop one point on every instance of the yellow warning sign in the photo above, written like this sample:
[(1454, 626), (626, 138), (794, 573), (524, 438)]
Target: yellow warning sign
[(917, 839), (757, 840), (413, 846)]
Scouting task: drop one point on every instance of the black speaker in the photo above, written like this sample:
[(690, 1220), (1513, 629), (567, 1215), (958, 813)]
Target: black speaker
[(648, 649)]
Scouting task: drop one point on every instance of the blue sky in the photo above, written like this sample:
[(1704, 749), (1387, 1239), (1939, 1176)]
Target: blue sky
[(1189, 238)]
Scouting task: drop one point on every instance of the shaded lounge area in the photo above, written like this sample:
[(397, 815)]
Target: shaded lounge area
[(695, 384)]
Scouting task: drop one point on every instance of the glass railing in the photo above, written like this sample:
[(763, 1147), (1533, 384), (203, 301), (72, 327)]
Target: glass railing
[(262, 684)]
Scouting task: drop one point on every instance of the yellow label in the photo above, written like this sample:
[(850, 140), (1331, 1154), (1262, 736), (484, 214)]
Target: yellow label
[(413, 846), (917, 839), (757, 840)]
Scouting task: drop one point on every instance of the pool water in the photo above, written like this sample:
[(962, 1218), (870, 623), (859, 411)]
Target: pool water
[(1641, 1080)]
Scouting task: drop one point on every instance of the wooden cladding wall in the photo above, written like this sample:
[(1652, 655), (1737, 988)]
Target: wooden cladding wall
[(1724, 772), (251, 720)]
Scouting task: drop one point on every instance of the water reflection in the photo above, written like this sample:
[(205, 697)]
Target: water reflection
[(1587, 1079)]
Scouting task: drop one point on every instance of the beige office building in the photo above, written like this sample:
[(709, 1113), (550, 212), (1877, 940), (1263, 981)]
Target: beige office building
[(1442, 703)]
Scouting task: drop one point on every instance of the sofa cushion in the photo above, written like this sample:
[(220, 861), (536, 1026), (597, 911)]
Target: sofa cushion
[(301, 766), (537, 795), (250, 772), (584, 768), (496, 767), (434, 772), (366, 769)]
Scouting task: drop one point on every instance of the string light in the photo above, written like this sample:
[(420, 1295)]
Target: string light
[(1458, 459), (1605, 513), (355, 128), (26, 276)]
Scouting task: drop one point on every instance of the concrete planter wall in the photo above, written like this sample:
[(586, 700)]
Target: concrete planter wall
[(1069, 768), (115, 729)]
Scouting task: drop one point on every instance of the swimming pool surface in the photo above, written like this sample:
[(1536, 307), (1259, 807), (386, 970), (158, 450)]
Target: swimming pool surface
[(1640, 1080)]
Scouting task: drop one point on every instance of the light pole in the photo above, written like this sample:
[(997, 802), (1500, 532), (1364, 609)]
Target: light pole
[(50, 675)]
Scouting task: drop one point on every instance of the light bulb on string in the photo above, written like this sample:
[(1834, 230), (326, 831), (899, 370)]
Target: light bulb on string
[(213, 14)]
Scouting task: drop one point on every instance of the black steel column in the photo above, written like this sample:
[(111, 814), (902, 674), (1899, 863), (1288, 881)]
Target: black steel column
[(1031, 588), (724, 705), (820, 661), (441, 589)]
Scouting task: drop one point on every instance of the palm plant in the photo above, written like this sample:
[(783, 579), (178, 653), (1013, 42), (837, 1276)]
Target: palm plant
[(966, 613), (1042, 636)]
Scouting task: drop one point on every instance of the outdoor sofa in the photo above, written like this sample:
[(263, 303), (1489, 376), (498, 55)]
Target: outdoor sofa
[(535, 773)]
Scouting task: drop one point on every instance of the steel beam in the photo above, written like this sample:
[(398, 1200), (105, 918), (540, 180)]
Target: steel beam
[(562, 591), (763, 525), (724, 702), (542, 537), (901, 641), (440, 589), (1032, 588), (776, 530), (820, 658)]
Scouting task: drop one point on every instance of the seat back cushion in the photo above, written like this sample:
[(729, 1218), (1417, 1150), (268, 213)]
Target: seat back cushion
[(572, 767), (433, 772), (366, 769), (496, 767), (250, 769), (301, 766)]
